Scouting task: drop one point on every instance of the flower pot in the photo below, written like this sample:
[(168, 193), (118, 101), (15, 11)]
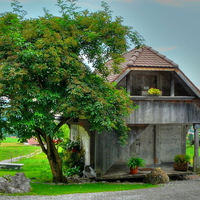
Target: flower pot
[(181, 166), (134, 171)]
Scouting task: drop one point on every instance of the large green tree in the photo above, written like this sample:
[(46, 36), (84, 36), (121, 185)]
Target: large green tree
[(43, 73)]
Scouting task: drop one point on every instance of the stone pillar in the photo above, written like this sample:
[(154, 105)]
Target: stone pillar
[(85, 137), (196, 165)]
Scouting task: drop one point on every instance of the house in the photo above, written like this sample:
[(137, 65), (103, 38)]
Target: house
[(33, 141), (159, 126)]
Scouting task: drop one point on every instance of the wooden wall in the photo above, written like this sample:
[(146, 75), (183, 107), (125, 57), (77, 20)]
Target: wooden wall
[(165, 112)]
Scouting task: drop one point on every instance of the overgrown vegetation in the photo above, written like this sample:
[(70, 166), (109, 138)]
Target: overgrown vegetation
[(72, 157)]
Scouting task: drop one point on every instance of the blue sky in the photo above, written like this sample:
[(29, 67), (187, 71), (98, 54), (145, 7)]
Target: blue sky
[(171, 27)]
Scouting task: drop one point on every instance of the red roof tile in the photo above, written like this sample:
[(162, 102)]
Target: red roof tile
[(147, 56), (143, 57)]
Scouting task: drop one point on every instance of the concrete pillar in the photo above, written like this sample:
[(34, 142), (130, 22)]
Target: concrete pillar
[(98, 155), (85, 137), (196, 166), (157, 144)]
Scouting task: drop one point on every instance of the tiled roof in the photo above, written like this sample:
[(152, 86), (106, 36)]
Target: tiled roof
[(147, 56), (123, 66), (143, 57)]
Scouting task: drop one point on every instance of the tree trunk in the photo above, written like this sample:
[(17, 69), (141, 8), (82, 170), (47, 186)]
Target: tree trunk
[(56, 169), (53, 158)]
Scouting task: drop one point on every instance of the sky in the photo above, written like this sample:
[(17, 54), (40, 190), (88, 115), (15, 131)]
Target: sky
[(172, 27)]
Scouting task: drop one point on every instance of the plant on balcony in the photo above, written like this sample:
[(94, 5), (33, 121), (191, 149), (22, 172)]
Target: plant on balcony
[(154, 91)]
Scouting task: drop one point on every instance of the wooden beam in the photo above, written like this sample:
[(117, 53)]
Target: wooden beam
[(128, 84), (196, 166), (172, 86)]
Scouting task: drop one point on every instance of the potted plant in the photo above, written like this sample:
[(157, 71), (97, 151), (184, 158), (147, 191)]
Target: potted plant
[(181, 162), (134, 162), (154, 91)]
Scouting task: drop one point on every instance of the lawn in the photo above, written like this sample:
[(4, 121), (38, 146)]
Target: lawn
[(190, 151), (45, 189), (11, 148), (37, 170), (9, 140)]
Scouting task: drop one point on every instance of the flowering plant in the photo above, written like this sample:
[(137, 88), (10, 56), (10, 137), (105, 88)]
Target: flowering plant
[(154, 91), (184, 158)]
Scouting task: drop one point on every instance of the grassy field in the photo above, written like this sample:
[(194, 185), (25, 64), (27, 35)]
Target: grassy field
[(11, 148), (9, 141), (35, 168)]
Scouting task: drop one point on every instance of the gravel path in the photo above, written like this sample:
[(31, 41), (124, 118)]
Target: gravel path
[(175, 190)]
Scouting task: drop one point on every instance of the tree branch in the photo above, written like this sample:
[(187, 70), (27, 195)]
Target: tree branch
[(38, 135), (63, 121)]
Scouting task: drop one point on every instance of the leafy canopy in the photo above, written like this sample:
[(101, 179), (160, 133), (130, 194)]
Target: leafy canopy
[(43, 71)]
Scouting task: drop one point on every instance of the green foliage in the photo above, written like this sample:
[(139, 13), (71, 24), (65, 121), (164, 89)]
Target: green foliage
[(62, 133), (42, 64), (154, 91), (70, 172), (182, 158), (134, 162), (72, 157), (70, 145), (43, 73), (17, 8)]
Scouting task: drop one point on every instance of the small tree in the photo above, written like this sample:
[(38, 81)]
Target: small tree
[(43, 73)]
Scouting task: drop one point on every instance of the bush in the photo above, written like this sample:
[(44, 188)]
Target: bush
[(182, 158), (72, 157)]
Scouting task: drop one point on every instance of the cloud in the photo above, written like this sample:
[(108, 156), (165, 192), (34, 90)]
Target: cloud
[(161, 49), (175, 2)]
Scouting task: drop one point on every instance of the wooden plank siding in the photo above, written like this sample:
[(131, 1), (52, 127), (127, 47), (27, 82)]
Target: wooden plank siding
[(164, 112)]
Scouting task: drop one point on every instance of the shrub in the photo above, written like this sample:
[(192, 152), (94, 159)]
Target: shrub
[(72, 157), (182, 158)]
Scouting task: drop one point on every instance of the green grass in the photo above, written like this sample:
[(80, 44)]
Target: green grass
[(190, 152), (10, 140), (35, 168), (47, 189), (11, 152), (10, 148)]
